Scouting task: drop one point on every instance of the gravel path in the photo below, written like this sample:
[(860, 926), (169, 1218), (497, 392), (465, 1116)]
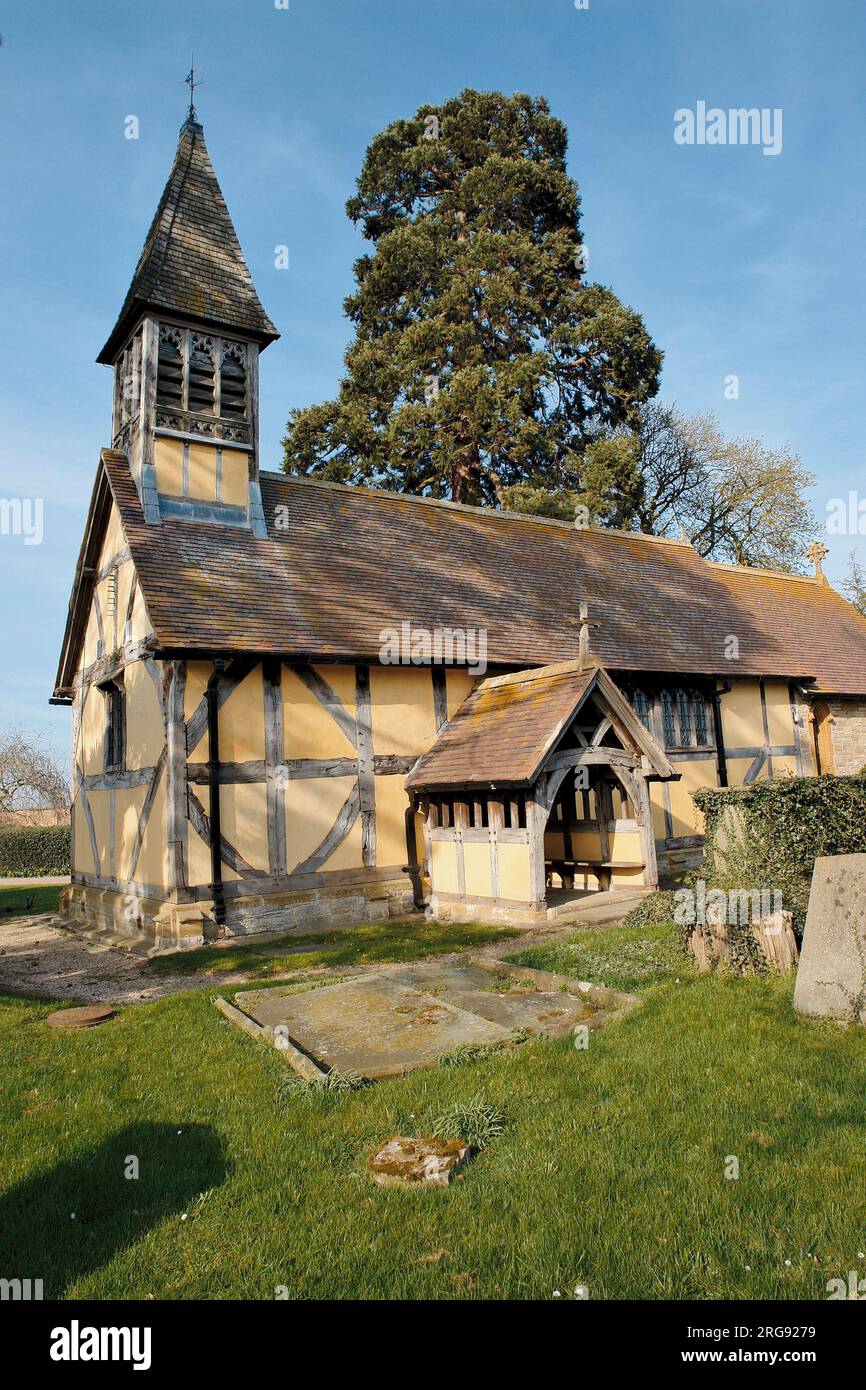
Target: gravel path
[(39, 958)]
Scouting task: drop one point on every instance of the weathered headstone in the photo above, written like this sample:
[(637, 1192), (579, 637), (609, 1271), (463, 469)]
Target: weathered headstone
[(831, 980)]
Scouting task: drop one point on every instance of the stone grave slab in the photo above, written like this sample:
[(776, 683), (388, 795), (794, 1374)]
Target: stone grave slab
[(472, 987), (831, 978), (371, 1024)]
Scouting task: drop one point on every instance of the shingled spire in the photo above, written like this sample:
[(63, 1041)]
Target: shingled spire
[(185, 352), (192, 265)]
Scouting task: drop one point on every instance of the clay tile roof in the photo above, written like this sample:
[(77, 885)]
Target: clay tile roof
[(340, 565), (503, 730), (192, 264)]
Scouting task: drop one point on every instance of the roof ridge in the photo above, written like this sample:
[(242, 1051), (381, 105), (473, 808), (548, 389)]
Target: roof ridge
[(499, 512), (763, 569), (538, 673)]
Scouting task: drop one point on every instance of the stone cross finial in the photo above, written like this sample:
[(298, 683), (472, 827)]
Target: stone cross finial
[(816, 553), (583, 654)]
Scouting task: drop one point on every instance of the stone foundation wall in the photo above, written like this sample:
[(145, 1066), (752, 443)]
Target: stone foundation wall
[(849, 735), (162, 924), (485, 910)]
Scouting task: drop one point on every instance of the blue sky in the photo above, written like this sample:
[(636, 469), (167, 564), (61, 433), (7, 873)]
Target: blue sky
[(740, 263)]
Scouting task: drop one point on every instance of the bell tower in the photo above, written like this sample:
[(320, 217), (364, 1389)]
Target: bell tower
[(185, 352)]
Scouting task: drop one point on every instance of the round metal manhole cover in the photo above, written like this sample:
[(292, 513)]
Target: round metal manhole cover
[(87, 1017)]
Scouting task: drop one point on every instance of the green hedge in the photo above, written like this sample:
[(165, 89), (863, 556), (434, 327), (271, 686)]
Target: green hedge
[(28, 851), (785, 826)]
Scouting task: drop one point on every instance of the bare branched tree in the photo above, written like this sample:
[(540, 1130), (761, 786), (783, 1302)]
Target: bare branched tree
[(736, 499), (854, 584), (32, 777)]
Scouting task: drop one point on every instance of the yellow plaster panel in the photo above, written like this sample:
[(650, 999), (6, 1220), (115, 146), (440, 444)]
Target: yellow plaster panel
[(197, 676), (114, 540), (100, 803), (784, 766), (514, 872), (742, 721), (626, 878), (242, 721), (312, 807), (91, 637), (349, 854), (657, 800), (308, 729), (145, 734), (443, 854), (780, 720), (403, 718), (198, 858), (392, 802), (152, 867), (625, 846), (235, 478), (168, 460), (202, 472), (244, 820), (687, 819), (477, 870), (140, 625), (125, 578), (82, 854), (737, 769), (458, 684), (127, 809), (91, 739)]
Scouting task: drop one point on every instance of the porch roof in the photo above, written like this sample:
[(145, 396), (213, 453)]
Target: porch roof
[(504, 731)]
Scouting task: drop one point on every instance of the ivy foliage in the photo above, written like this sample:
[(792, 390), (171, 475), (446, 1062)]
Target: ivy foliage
[(770, 834)]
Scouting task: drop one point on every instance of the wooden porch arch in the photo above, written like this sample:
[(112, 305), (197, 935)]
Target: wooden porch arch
[(514, 740)]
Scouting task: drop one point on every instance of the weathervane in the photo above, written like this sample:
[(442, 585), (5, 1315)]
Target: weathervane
[(191, 82)]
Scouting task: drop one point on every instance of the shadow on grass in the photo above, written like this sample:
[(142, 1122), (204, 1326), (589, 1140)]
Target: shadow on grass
[(40, 1238)]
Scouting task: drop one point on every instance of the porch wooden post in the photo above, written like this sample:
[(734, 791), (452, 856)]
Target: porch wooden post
[(536, 819), (644, 812), (495, 822)]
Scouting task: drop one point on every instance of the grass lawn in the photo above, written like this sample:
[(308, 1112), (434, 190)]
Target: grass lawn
[(21, 902), (609, 1172), (379, 941)]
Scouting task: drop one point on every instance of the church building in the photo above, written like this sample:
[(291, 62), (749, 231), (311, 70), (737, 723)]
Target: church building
[(250, 749)]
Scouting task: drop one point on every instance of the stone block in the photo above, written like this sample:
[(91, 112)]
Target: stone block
[(424, 1161)]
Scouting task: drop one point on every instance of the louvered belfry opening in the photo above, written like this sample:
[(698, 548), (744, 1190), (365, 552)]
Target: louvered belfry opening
[(169, 372), (201, 374), (233, 381)]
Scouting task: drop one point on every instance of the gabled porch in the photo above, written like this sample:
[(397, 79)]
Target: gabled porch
[(535, 796)]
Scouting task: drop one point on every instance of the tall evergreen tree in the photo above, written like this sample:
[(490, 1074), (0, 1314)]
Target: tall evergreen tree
[(482, 358)]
